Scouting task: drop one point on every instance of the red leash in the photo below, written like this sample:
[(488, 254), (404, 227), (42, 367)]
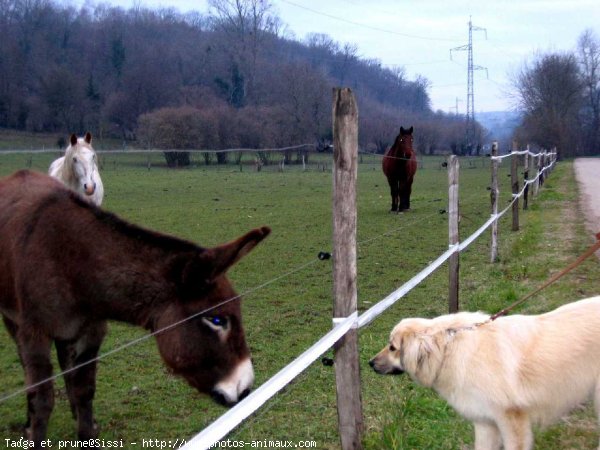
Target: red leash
[(590, 251)]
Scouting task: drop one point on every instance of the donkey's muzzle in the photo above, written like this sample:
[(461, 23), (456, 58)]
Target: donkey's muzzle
[(222, 399), (236, 386)]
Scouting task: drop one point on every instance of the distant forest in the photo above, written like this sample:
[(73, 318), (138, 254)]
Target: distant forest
[(230, 78)]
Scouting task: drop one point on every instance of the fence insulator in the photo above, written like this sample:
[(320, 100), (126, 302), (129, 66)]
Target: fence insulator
[(324, 255)]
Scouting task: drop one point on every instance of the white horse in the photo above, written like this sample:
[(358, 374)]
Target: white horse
[(78, 169)]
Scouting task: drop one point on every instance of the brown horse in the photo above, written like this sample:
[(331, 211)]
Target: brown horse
[(399, 166), (66, 267)]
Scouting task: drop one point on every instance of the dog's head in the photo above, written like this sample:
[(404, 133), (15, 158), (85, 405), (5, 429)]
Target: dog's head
[(416, 346)]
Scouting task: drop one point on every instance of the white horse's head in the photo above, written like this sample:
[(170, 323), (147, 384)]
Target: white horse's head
[(81, 157)]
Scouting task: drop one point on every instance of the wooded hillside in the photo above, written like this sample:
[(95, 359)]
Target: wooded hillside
[(103, 69)]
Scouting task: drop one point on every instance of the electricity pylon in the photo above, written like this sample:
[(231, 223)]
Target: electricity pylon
[(470, 125)]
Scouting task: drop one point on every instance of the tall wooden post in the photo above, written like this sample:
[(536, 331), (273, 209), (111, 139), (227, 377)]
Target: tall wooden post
[(536, 184), (526, 179), (541, 164), (494, 199), (514, 178), (453, 237), (347, 374)]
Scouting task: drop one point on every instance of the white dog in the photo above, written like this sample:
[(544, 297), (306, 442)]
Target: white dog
[(505, 375)]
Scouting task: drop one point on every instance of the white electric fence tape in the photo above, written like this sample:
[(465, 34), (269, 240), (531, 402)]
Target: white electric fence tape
[(522, 152), (370, 314), (224, 424)]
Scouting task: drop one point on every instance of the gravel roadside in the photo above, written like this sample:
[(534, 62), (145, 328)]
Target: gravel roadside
[(587, 174)]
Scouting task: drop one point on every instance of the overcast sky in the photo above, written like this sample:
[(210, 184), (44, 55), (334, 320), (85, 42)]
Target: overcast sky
[(418, 35)]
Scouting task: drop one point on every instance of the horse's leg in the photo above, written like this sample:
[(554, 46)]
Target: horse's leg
[(402, 196), (399, 196), (81, 383), (405, 197), (13, 329), (35, 348), (394, 193), (401, 188)]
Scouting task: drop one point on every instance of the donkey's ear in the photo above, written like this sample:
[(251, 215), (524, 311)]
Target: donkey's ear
[(88, 138), (218, 259), (73, 139)]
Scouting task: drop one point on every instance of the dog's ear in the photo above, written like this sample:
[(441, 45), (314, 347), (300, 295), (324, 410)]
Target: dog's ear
[(396, 342), (424, 355)]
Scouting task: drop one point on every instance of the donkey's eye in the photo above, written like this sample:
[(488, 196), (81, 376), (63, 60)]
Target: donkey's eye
[(74, 159), (217, 321), (392, 348)]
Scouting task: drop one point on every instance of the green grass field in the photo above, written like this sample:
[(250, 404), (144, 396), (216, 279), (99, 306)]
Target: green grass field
[(136, 397)]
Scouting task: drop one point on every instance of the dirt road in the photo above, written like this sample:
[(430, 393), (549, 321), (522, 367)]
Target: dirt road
[(587, 173)]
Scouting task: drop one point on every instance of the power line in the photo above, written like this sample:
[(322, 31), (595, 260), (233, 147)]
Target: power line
[(369, 27)]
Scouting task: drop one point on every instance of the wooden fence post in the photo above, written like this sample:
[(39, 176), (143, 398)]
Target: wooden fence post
[(536, 184), (347, 374), (542, 163), (526, 179), (494, 199), (514, 179), (453, 236)]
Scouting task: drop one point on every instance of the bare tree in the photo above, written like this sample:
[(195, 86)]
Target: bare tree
[(246, 24), (589, 60), (378, 126), (346, 58), (549, 94), (175, 129)]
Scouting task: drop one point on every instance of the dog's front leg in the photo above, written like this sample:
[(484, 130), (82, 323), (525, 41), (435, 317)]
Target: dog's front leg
[(487, 436), (515, 428)]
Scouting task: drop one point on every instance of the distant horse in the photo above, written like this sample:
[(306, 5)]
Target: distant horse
[(399, 166), (78, 169), (66, 267)]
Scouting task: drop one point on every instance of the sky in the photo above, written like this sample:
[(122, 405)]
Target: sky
[(418, 36)]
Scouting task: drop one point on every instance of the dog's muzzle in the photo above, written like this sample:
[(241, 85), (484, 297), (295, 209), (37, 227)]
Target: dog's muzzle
[(382, 370)]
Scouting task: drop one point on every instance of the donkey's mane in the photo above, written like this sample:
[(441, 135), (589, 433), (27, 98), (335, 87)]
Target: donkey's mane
[(130, 230)]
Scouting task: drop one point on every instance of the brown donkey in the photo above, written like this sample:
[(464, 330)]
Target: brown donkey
[(66, 267)]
